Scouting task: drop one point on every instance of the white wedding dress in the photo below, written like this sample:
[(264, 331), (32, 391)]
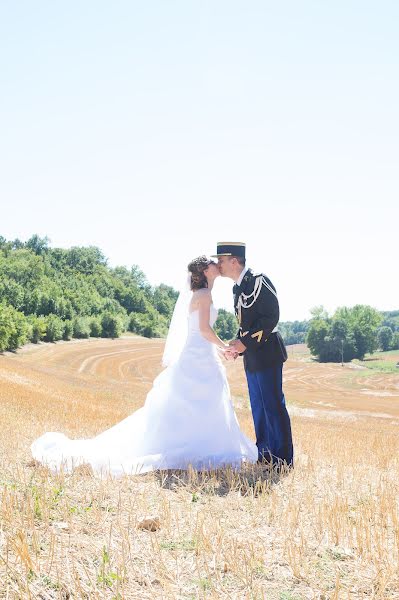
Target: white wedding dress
[(187, 418)]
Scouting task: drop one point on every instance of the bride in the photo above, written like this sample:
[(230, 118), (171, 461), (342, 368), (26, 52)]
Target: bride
[(187, 418)]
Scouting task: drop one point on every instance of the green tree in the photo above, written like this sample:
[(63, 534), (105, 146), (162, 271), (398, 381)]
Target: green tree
[(6, 326), (150, 325), (395, 341), (12, 292), (226, 325), (319, 330), (343, 343), (164, 300), (132, 299), (95, 327), (365, 321), (85, 260), (38, 328), (81, 327), (76, 286), (319, 312), (352, 329), (37, 244), (14, 328), (23, 267), (54, 328), (293, 332), (17, 244), (137, 323), (21, 332), (3, 243), (384, 338), (68, 330), (331, 340), (139, 278), (111, 325)]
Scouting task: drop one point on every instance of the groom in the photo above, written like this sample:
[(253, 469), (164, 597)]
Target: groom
[(257, 309)]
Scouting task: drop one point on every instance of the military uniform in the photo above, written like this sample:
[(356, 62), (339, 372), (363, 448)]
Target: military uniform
[(257, 310)]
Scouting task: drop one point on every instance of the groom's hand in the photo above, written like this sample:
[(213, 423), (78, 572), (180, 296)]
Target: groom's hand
[(237, 346), (230, 354)]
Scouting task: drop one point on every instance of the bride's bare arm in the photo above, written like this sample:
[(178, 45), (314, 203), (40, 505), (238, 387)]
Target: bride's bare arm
[(203, 300)]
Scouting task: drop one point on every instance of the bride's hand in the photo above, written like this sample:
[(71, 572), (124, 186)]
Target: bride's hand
[(229, 353)]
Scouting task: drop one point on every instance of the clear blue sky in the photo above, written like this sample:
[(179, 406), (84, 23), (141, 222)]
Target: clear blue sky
[(155, 129)]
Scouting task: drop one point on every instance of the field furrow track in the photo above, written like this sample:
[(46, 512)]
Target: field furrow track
[(110, 378)]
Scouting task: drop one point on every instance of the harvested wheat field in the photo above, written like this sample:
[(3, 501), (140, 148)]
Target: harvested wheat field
[(329, 529)]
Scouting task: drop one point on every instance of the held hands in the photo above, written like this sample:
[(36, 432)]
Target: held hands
[(229, 353), (234, 348), (237, 346)]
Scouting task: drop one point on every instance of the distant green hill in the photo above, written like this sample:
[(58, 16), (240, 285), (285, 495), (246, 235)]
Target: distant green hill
[(294, 332), (54, 293), (48, 294), (391, 319)]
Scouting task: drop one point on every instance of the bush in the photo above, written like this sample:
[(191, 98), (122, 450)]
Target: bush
[(81, 327), (14, 328), (22, 331), (54, 328), (395, 341), (37, 328), (111, 325), (68, 330), (95, 327), (385, 338), (136, 323), (148, 325)]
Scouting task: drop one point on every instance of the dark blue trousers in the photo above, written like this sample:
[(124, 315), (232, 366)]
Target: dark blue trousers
[(271, 419)]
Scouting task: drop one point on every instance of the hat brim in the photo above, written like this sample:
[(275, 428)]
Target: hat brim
[(225, 254)]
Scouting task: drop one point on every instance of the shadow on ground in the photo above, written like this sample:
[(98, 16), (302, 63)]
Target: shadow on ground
[(251, 480)]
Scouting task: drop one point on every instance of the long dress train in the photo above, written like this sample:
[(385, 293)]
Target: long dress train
[(187, 418)]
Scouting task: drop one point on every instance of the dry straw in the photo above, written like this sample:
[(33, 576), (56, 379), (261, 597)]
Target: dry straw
[(329, 529)]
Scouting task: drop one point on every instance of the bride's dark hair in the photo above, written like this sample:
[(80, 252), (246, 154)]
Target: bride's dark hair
[(197, 268)]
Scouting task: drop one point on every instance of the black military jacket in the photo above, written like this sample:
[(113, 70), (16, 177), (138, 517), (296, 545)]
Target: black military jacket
[(257, 322)]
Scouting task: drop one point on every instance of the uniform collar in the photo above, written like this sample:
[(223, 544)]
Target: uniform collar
[(241, 277)]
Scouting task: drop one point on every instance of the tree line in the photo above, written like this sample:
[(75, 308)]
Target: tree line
[(294, 332), (351, 333), (50, 294)]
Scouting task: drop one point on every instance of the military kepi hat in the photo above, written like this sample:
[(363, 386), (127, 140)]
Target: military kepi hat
[(230, 249)]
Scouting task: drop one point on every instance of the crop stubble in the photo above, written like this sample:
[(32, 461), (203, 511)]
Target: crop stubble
[(329, 528)]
